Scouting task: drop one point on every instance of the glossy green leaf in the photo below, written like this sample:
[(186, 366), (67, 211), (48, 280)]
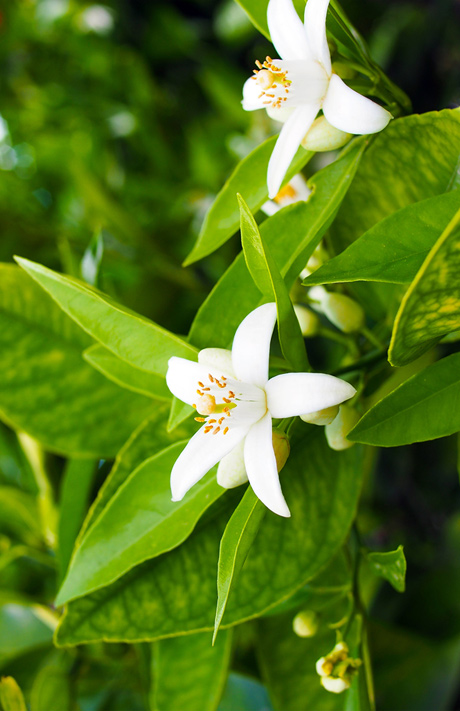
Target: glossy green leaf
[(46, 388), (431, 306), (149, 439), (140, 522), (291, 236), (126, 375), (270, 283), (75, 493), (189, 673), (425, 148), (19, 515), (235, 544), (391, 566), (395, 248), (24, 627), (130, 336), (176, 592), (11, 697), (422, 408), (288, 665), (250, 180)]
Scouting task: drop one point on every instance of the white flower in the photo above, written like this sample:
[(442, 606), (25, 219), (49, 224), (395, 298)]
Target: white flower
[(301, 83), (236, 401), (294, 191)]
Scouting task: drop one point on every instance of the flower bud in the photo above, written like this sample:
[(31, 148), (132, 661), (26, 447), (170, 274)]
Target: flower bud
[(309, 322), (231, 471), (305, 624), (321, 417), (336, 432), (335, 684), (281, 448), (324, 137), (337, 669), (343, 312)]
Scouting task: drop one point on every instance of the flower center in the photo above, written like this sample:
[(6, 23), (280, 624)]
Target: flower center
[(273, 82), (206, 404)]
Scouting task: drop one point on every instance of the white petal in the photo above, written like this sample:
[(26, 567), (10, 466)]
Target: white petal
[(300, 393), (287, 144), (183, 376), (280, 114), (251, 94), (199, 456), (349, 111), (287, 31), (251, 345), (315, 28), (260, 462), (217, 359), (231, 471)]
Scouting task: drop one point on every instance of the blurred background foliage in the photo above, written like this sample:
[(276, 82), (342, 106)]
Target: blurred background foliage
[(118, 125)]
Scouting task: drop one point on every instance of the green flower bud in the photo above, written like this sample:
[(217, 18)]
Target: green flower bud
[(343, 312), (321, 417), (281, 447), (323, 137), (309, 322), (305, 624), (336, 432)]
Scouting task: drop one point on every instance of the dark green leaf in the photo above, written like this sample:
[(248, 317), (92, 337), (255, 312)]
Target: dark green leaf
[(24, 627), (394, 249), (422, 408), (189, 673), (176, 592)]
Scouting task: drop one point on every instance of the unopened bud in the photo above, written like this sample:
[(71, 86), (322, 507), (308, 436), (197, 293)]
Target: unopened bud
[(309, 322), (343, 312), (281, 448), (323, 137), (321, 417), (305, 624), (231, 471), (336, 432), (335, 684)]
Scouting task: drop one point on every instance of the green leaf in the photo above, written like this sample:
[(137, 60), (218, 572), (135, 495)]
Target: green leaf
[(19, 515), (235, 544), (140, 522), (270, 283), (75, 493), (189, 673), (431, 306), (391, 566), (11, 698), (46, 388), (289, 665), (24, 627), (150, 438), (422, 408), (250, 180), (130, 336), (51, 687), (291, 236), (126, 375), (175, 593), (394, 249), (425, 148)]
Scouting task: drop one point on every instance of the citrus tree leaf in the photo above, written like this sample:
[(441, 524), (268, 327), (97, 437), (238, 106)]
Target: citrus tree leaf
[(431, 306), (395, 248), (189, 673), (176, 592), (424, 407), (270, 283), (250, 180), (46, 387), (391, 566), (130, 336)]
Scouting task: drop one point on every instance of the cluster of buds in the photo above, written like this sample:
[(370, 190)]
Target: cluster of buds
[(337, 669)]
